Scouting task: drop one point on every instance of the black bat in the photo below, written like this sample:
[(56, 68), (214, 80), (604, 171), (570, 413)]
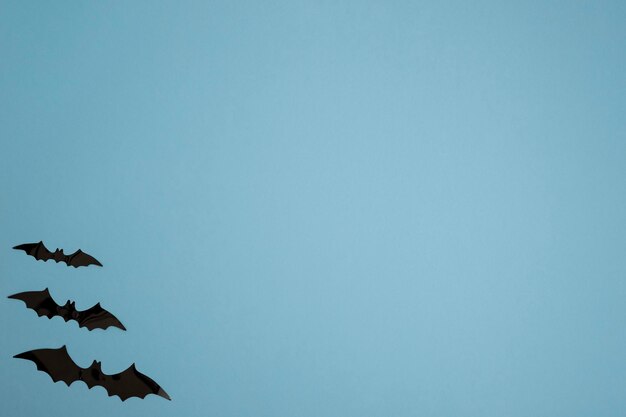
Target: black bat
[(41, 253), (59, 365), (44, 305)]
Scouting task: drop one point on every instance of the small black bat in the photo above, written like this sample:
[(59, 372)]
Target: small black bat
[(59, 365), (41, 253), (44, 305)]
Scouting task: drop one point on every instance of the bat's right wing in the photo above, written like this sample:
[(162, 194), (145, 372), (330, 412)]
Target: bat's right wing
[(37, 250), (40, 301), (55, 362), (132, 383), (80, 258), (97, 317)]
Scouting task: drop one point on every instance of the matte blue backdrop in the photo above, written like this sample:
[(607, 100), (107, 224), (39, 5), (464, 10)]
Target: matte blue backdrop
[(320, 208)]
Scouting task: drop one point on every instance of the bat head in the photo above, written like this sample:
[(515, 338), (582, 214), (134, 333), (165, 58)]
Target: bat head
[(94, 373), (68, 311), (96, 369), (58, 255)]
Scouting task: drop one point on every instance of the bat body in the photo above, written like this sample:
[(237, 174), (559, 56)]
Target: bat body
[(41, 253), (59, 365), (44, 305)]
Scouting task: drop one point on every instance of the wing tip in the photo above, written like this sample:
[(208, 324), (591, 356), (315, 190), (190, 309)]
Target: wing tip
[(26, 246), (116, 325), (163, 394)]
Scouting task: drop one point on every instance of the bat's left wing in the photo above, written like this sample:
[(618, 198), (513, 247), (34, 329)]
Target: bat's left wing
[(36, 250), (40, 301), (55, 362)]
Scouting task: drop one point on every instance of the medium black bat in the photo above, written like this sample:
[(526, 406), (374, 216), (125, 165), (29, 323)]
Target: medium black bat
[(41, 253), (59, 365), (44, 305)]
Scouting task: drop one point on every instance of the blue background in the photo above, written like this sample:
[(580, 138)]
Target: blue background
[(327, 208)]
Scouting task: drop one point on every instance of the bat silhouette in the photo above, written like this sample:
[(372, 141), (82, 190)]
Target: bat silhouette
[(44, 305), (41, 253), (59, 365)]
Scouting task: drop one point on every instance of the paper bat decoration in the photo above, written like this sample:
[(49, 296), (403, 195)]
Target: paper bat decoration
[(59, 365), (44, 305), (41, 253)]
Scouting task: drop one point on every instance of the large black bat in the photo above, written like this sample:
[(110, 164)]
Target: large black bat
[(44, 305), (41, 253), (59, 365)]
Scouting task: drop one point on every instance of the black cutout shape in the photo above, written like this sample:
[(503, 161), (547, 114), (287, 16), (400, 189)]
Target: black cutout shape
[(59, 365), (41, 253), (44, 305)]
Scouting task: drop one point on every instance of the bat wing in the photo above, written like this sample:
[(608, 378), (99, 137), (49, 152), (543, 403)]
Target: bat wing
[(55, 362), (98, 318), (80, 258), (37, 250), (40, 301), (132, 383)]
